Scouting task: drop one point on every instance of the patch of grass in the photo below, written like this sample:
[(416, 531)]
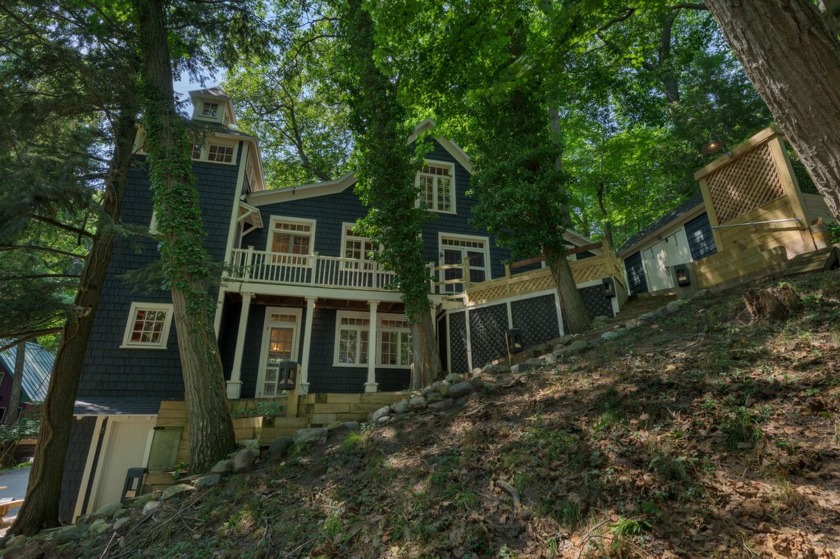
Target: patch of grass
[(353, 442), (740, 428), (670, 468)]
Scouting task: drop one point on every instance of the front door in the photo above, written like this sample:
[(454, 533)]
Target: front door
[(280, 344)]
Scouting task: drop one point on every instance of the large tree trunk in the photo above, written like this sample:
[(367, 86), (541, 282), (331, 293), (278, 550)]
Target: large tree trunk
[(17, 382), (575, 313), (184, 258), (424, 351), (793, 59), (40, 509)]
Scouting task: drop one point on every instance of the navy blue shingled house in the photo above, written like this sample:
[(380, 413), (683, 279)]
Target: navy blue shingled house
[(298, 285)]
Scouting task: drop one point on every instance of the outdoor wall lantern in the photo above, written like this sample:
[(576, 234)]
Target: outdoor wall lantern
[(286, 373), (683, 278), (609, 287), (513, 339)]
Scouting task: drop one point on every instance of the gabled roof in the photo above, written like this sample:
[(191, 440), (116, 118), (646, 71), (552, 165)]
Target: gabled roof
[(216, 93), (37, 368), (690, 208), (342, 183)]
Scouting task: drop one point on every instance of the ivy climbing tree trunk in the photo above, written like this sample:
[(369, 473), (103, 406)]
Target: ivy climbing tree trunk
[(385, 173), (185, 261), (40, 508), (792, 57)]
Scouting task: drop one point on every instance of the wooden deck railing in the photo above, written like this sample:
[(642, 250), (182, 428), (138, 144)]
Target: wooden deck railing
[(260, 266)]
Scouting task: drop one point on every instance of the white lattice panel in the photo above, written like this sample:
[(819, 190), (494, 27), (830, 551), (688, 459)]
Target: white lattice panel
[(745, 184)]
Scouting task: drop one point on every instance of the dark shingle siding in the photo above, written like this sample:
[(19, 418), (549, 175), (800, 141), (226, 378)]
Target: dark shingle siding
[(81, 435), (109, 370)]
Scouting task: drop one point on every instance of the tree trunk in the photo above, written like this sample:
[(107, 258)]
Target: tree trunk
[(793, 59), (185, 260), (424, 351), (40, 509), (17, 382), (575, 313)]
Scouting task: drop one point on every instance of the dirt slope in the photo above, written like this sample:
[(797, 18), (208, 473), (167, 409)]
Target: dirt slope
[(701, 435)]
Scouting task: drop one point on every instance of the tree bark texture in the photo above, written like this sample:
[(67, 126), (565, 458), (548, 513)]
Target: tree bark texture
[(575, 313), (184, 258), (40, 508), (424, 351), (17, 382), (793, 59)]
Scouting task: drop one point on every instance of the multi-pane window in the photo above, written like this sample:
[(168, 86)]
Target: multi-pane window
[(393, 340), (210, 110), (395, 343), (455, 250), (353, 336), (220, 154), (357, 248), (437, 187), (196, 151), (293, 239), (148, 325)]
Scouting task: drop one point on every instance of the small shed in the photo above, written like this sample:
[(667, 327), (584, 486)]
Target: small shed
[(757, 209), (37, 369)]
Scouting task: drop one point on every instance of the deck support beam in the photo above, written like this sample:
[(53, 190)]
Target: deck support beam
[(234, 385), (373, 351), (303, 382)]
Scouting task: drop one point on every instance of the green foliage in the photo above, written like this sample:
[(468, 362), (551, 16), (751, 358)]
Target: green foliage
[(385, 169), (740, 428), (25, 428)]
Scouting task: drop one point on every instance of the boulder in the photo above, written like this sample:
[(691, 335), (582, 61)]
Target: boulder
[(280, 447), (383, 420), (173, 490), (478, 370), (520, 368), (312, 435), (535, 362), (121, 523), (453, 378), (611, 335), (477, 381), (548, 359), (401, 407), (151, 506), (417, 403), (108, 510), (99, 525), (577, 347), (71, 533), (244, 460), (250, 443), (140, 502), (461, 389), (444, 404), (434, 397), (674, 306), (223, 467), (209, 480), (16, 541), (633, 323), (351, 425), (381, 412), (647, 318), (441, 387)]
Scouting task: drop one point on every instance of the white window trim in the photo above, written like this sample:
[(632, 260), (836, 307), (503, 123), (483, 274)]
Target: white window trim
[(378, 343), (268, 323), (129, 327), (205, 151), (488, 268), (368, 262), (453, 195), (349, 314), (279, 218)]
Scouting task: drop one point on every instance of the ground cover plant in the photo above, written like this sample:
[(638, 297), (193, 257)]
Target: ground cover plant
[(704, 434)]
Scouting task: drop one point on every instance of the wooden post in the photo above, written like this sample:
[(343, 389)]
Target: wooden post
[(466, 273)]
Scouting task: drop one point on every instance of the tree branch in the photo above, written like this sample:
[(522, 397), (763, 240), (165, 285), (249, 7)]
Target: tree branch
[(7, 248), (60, 225)]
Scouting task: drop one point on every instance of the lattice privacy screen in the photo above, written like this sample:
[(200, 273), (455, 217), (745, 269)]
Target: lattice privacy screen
[(745, 184)]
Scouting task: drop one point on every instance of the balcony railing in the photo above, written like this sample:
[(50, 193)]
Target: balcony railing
[(259, 266)]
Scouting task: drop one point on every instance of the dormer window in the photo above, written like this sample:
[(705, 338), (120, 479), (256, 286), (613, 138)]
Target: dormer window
[(220, 154), (210, 110)]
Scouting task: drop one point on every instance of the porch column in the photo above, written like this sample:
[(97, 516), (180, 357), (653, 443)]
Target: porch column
[(303, 382), (370, 385), (234, 385)]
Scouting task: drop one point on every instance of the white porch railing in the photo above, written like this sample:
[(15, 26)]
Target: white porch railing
[(259, 266)]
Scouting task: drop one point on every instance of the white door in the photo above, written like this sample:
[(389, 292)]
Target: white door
[(659, 258), (125, 445), (280, 343)]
